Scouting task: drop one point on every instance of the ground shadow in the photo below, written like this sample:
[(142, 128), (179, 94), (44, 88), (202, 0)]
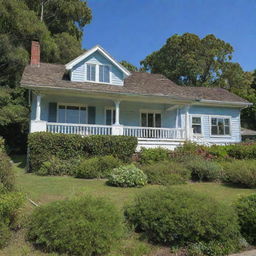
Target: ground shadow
[(20, 160)]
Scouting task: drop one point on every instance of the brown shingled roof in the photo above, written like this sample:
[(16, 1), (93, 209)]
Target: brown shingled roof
[(139, 83)]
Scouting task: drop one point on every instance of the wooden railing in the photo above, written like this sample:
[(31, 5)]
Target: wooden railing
[(154, 133), (81, 129)]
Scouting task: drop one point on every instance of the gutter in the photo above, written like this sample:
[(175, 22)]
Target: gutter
[(238, 103)]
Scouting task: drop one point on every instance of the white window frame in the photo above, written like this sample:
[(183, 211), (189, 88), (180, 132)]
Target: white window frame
[(191, 124), (91, 64), (154, 112), (72, 105), (110, 73), (97, 73), (221, 117), (112, 114)]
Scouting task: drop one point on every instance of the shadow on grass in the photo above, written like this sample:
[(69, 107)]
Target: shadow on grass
[(20, 160), (235, 186)]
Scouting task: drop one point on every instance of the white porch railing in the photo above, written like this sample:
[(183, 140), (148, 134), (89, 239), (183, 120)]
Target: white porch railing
[(139, 132), (81, 129), (154, 133)]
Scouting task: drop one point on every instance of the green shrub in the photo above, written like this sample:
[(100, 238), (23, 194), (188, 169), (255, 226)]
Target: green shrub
[(127, 176), (178, 217), (2, 145), (242, 151), (44, 145), (5, 234), (240, 172), (246, 211), (55, 166), (152, 155), (166, 173), (97, 167), (204, 170), (81, 226), (7, 177)]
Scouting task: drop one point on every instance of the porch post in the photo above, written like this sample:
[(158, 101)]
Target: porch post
[(187, 123), (38, 107), (117, 104)]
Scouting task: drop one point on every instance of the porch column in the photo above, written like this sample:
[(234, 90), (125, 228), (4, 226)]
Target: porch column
[(117, 104), (187, 123), (38, 107)]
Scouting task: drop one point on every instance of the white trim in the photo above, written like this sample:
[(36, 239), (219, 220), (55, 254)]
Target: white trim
[(74, 105), (221, 117), (72, 63), (154, 112), (191, 123)]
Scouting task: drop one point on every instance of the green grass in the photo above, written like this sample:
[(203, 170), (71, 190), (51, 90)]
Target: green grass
[(47, 189)]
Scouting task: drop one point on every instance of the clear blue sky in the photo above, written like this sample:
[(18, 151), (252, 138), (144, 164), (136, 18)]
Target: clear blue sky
[(132, 29)]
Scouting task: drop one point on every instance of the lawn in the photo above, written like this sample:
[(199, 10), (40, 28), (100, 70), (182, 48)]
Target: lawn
[(46, 189)]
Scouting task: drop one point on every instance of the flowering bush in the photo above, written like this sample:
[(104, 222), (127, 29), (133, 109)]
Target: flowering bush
[(127, 176)]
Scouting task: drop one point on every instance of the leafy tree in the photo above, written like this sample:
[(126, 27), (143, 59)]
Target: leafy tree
[(60, 16), (189, 60), (129, 66)]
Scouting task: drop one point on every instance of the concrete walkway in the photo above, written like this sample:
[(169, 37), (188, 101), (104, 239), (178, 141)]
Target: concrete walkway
[(248, 253)]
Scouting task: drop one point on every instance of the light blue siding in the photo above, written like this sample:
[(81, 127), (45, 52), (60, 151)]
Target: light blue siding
[(79, 71), (130, 114)]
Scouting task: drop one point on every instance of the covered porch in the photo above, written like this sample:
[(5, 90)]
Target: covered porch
[(153, 123)]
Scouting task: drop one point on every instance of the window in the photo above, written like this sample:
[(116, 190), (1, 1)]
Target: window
[(91, 72), (196, 124), (150, 119), (104, 73), (220, 126), (110, 116), (72, 114)]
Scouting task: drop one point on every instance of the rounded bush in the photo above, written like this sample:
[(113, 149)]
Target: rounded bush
[(81, 226), (152, 155), (246, 211), (178, 217), (127, 176), (240, 172), (97, 167), (204, 170), (7, 177), (166, 173)]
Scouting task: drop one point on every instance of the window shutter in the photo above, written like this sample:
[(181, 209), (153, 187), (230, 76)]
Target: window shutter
[(52, 114), (91, 115)]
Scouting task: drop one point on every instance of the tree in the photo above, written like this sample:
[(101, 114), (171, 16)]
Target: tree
[(189, 60), (129, 66)]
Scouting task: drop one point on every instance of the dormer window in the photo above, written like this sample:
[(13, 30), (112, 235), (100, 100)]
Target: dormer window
[(104, 73), (91, 72)]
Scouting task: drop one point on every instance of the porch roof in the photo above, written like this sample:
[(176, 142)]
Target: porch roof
[(138, 83)]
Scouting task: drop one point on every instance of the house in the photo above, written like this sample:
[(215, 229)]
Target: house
[(94, 94)]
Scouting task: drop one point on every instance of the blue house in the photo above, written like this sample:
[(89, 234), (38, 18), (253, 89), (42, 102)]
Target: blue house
[(94, 94)]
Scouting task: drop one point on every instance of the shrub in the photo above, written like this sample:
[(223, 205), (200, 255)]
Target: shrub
[(9, 204), (246, 211), (242, 151), (152, 155), (240, 172), (127, 176), (81, 226), (7, 177), (2, 145), (97, 167), (44, 145), (178, 217), (204, 170), (55, 166), (166, 173)]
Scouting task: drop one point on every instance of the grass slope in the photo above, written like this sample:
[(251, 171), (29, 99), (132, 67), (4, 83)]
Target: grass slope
[(47, 189)]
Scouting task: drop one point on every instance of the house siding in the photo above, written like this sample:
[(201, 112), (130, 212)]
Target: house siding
[(79, 71)]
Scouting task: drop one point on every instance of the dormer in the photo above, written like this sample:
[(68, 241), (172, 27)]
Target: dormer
[(97, 66)]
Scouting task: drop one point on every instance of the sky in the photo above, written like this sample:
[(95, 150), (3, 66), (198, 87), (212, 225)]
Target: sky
[(132, 29)]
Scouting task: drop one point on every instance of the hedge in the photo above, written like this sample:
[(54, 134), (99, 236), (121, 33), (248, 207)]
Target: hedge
[(44, 145)]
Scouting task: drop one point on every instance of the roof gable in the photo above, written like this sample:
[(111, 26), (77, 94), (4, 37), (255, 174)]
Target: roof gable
[(96, 48)]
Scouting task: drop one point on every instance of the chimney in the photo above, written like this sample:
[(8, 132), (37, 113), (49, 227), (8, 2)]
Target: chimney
[(35, 54)]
